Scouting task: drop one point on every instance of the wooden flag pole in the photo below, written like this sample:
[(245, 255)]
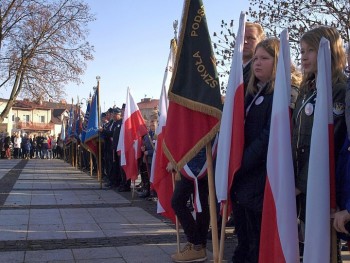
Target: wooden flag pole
[(222, 237), (212, 204), (334, 244), (176, 219), (64, 152), (99, 174), (77, 156), (72, 152), (133, 191), (91, 163)]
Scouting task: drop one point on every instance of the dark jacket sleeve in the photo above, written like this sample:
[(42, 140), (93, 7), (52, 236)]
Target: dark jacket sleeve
[(339, 117), (347, 107)]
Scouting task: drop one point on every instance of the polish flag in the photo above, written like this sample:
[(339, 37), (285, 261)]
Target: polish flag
[(130, 139), (279, 230), (160, 178), (231, 137), (321, 165)]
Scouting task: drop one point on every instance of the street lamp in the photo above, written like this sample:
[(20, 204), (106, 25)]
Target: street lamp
[(86, 101)]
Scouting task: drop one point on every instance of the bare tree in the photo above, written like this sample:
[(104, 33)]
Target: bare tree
[(42, 47), (299, 16), (274, 16), (224, 44)]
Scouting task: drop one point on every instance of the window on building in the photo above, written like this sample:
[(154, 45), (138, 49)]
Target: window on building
[(25, 118), (42, 119), (13, 117)]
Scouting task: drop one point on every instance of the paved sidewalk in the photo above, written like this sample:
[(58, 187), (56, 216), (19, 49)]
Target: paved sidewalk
[(52, 212)]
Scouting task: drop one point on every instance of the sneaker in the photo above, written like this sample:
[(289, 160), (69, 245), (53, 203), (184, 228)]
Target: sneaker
[(190, 254)]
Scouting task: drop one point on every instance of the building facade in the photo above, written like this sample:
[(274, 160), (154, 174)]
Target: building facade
[(149, 109), (34, 117), (45, 117)]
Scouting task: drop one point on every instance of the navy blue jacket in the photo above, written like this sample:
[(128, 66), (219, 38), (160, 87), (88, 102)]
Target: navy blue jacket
[(249, 181)]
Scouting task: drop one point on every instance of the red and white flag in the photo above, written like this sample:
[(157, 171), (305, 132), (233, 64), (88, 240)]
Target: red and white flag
[(160, 177), (317, 225), (231, 137), (279, 230), (195, 105), (129, 144)]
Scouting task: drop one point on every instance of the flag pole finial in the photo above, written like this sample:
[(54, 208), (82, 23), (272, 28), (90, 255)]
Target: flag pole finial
[(175, 24)]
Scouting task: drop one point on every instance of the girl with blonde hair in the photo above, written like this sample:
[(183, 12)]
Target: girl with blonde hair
[(303, 115)]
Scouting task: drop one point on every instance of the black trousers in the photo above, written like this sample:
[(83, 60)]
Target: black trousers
[(248, 227), (196, 230), (115, 177)]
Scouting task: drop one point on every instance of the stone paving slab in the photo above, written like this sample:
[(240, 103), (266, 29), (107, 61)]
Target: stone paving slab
[(52, 212), (61, 215)]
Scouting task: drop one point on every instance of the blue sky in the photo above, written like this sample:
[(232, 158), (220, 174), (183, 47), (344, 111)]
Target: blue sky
[(131, 40)]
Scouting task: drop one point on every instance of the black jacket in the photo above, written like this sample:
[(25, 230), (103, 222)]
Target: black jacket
[(302, 122), (249, 181), (246, 75), (116, 133), (347, 107)]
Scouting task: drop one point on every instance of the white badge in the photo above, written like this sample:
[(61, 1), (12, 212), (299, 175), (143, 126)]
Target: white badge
[(338, 108), (309, 109), (259, 100)]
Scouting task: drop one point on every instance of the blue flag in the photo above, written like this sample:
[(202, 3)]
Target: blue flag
[(85, 123), (91, 132), (70, 125)]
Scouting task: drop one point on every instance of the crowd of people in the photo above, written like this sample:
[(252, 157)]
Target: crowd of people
[(260, 57), (28, 146), (112, 173)]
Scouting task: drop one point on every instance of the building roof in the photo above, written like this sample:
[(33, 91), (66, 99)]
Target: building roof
[(44, 105), (56, 116), (148, 103)]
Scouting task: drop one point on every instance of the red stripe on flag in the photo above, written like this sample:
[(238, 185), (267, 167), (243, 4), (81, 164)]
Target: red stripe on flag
[(189, 140), (270, 245), (92, 145), (237, 141), (134, 129), (162, 181)]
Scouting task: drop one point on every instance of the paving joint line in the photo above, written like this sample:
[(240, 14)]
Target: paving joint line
[(9, 179), (78, 243), (104, 205)]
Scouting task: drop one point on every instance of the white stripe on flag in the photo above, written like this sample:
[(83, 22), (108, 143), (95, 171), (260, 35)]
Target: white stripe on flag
[(225, 137), (280, 172), (317, 227)]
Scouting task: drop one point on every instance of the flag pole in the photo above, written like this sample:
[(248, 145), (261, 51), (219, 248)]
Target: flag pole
[(212, 204), (334, 245), (72, 143), (222, 236), (173, 175), (175, 25), (90, 163), (64, 151), (77, 147), (99, 174)]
